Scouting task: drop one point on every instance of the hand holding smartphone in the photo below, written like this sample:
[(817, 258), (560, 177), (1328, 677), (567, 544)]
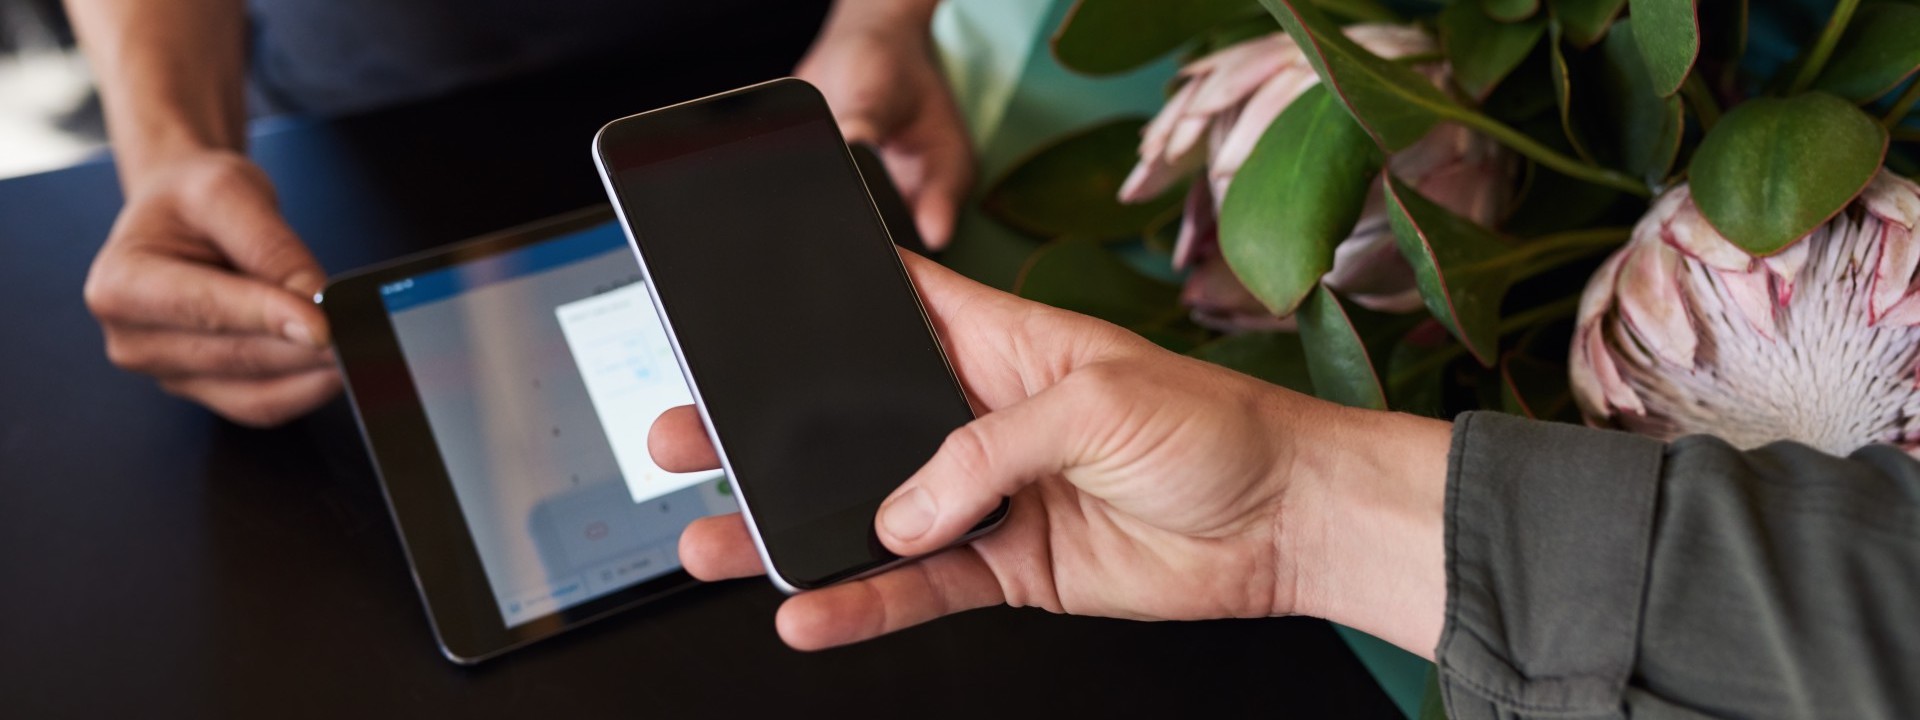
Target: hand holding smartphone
[(815, 369)]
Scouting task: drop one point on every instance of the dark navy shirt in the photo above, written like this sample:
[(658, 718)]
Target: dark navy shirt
[(332, 56)]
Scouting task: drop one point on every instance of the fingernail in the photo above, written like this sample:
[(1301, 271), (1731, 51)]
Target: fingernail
[(908, 515), (298, 332), (306, 284)]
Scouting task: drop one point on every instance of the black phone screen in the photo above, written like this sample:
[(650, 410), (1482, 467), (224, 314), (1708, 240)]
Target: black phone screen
[(805, 342)]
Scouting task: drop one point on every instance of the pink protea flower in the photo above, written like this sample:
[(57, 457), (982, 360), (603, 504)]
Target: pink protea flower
[(1682, 332), (1211, 123)]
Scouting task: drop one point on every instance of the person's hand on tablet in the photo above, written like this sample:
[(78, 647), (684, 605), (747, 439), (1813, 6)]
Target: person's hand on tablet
[(1145, 485), (202, 285), (875, 64)]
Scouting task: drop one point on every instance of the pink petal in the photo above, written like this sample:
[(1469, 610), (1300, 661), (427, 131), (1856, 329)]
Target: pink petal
[(1220, 184), (1619, 395), (1151, 177), (1370, 263), (1390, 41), (1183, 145), (1241, 69), (1159, 130), (1402, 302), (1898, 255), (1653, 305), (1442, 146), (1893, 199), (1199, 231), (1597, 298), (1786, 266), (1752, 292), (1266, 104), (1905, 313), (1586, 384), (1213, 291), (1687, 229)]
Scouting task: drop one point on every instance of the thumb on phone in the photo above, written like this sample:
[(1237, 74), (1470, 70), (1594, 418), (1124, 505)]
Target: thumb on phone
[(981, 463)]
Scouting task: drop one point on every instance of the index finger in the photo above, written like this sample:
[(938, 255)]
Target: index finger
[(150, 290), (678, 442), (951, 582)]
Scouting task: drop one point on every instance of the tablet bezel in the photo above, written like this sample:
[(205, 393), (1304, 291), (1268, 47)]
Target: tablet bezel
[(447, 570)]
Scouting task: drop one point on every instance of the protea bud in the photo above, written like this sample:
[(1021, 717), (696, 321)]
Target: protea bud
[(1682, 332), (1227, 100)]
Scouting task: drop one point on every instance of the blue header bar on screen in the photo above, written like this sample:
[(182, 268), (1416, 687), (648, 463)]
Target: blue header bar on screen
[(445, 283)]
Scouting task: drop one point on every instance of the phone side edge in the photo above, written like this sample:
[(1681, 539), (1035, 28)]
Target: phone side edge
[(679, 359)]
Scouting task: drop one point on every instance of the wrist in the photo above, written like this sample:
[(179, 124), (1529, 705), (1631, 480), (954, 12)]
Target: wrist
[(1366, 527), (166, 168), (144, 162)]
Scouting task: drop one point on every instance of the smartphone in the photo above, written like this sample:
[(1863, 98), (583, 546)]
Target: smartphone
[(894, 212), (809, 355)]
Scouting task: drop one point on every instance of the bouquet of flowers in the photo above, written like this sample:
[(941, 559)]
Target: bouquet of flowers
[(1666, 216)]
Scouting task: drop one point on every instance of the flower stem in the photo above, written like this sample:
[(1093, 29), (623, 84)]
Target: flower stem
[(1544, 155), (1539, 314), (1508, 325), (1551, 250), (1704, 106), (1903, 105), (1823, 48)]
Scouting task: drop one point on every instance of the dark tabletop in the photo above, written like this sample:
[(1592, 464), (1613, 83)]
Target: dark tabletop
[(158, 562)]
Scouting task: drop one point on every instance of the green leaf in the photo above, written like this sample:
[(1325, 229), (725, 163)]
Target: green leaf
[(1295, 198), (1535, 388), (1417, 368), (1276, 357), (1432, 705), (1083, 275), (1102, 37), (1585, 21), (1483, 51), (1669, 40), (1880, 49), (1394, 103), (1645, 129), (1338, 356), (1454, 263), (1563, 95), (1070, 187), (1507, 11), (1776, 168)]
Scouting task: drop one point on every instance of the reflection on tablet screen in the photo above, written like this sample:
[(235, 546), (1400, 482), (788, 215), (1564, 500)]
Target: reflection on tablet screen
[(540, 371)]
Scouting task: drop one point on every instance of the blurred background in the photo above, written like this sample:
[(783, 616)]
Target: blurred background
[(49, 114)]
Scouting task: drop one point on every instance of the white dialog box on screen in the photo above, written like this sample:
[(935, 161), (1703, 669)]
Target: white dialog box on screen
[(631, 377)]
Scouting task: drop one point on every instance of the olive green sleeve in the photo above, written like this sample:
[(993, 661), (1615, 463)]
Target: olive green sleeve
[(1594, 574)]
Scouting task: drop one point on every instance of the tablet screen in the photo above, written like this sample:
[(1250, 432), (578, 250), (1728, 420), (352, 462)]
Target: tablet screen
[(540, 371)]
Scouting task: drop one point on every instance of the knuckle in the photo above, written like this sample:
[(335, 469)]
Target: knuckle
[(197, 311), (98, 294), (127, 355), (226, 357), (1097, 380), (104, 290), (969, 450)]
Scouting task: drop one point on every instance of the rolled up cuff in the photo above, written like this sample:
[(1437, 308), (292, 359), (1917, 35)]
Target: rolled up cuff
[(1548, 530)]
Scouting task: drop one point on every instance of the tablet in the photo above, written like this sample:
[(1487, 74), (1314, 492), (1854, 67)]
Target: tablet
[(505, 387)]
